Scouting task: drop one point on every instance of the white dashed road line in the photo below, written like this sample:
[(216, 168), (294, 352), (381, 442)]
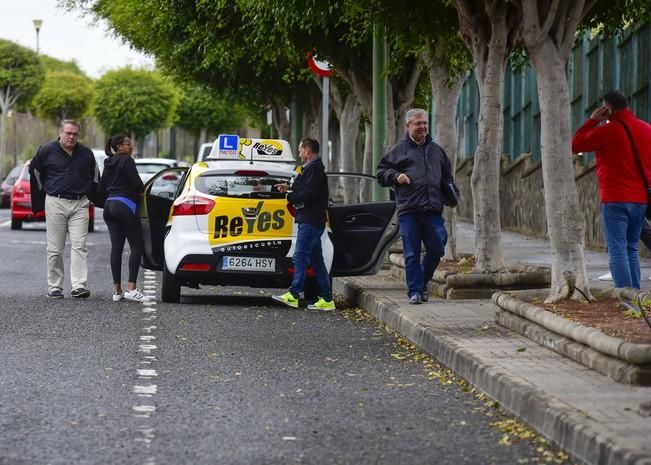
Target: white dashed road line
[(144, 389)]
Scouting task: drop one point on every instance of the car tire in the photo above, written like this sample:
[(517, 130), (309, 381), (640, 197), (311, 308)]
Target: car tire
[(170, 288), (16, 224), (91, 225)]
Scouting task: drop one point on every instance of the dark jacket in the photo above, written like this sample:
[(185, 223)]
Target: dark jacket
[(120, 179), (52, 171), (309, 194), (426, 165)]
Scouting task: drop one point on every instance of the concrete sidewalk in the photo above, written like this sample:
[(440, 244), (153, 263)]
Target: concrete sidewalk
[(590, 416)]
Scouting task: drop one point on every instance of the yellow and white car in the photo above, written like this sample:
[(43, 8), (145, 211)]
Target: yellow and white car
[(226, 224)]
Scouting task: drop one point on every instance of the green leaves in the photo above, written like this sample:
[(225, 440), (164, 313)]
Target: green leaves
[(134, 102), (64, 95), (21, 72)]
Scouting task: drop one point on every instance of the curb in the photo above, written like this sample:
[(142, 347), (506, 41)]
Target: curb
[(572, 430)]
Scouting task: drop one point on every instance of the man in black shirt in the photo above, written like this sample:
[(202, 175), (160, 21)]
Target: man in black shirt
[(309, 195), (63, 176)]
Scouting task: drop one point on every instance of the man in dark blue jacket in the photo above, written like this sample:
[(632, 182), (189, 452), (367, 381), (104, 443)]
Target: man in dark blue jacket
[(416, 168), (309, 195)]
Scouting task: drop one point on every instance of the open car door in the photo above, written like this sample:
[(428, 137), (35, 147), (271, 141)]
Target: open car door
[(362, 229), (154, 211)]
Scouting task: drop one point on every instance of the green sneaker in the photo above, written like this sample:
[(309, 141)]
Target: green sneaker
[(323, 305), (287, 298)]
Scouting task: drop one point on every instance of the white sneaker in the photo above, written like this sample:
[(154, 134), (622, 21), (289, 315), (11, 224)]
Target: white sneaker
[(135, 296), (606, 277), (117, 296)]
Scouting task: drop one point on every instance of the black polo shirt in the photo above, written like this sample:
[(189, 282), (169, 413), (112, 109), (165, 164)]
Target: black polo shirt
[(63, 173)]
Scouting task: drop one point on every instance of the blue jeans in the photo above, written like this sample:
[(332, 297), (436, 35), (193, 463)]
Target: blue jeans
[(622, 226), (308, 251), (428, 228)]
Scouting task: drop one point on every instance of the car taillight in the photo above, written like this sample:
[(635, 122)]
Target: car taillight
[(195, 267), (251, 173), (291, 209), (193, 206), (170, 177)]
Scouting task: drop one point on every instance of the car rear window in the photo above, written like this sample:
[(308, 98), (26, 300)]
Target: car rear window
[(25, 176), (241, 186)]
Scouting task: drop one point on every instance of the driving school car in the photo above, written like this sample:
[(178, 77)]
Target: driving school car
[(227, 224)]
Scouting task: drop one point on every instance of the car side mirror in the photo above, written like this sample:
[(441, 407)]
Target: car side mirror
[(331, 202)]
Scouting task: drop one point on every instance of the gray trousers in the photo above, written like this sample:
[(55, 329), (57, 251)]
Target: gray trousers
[(63, 217)]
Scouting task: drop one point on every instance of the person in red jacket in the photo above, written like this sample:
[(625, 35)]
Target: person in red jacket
[(622, 188)]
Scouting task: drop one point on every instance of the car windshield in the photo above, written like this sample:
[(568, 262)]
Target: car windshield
[(241, 186)]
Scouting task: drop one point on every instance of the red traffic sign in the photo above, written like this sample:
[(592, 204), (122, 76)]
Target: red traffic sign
[(320, 67)]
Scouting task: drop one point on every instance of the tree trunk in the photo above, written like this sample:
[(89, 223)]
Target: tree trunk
[(446, 96), (490, 30), (281, 120), (485, 180), (366, 193), (349, 131), (565, 223)]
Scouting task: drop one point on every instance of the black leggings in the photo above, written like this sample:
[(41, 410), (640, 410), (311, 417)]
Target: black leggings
[(123, 224)]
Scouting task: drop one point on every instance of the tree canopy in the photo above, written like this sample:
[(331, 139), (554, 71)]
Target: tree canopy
[(199, 109), (21, 74), (64, 95), (134, 102)]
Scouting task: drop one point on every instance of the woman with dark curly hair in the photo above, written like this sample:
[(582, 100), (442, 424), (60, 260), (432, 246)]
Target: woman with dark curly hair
[(122, 187)]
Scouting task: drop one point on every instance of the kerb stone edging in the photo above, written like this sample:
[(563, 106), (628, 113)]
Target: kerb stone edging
[(637, 354), (584, 438)]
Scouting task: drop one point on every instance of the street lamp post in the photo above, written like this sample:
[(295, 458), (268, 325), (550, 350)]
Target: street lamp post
[(37, 25)]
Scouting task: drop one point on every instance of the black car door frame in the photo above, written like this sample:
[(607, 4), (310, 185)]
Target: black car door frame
[(154, 213), (361, 232)]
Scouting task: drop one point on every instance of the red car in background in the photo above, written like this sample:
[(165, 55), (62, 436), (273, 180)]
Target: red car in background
[(21, 203)]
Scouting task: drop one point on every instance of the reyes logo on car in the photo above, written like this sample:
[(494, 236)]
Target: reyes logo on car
[(236, 220)]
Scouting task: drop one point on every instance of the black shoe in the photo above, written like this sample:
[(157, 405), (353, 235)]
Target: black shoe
[(79, 293), (415, 299), (55, 294), (424, 296)]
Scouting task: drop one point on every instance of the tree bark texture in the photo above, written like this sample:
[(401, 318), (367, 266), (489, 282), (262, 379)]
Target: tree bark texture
[(548, 34), (446, 96), (490, 30)]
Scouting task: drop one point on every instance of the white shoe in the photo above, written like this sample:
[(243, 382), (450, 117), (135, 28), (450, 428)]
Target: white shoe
[(135, 296), (117, 296), (606, 277)]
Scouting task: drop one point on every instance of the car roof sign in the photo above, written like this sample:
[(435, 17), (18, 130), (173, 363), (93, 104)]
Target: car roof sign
[(233, 147)]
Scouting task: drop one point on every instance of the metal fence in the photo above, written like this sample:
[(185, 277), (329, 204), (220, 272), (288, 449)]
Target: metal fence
[(595, 67)]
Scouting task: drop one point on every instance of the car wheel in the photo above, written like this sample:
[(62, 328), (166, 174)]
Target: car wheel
[(16, 224), (91, 225), (170, 289)]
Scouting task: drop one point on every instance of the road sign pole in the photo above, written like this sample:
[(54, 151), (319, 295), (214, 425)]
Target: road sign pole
[(325, 155)]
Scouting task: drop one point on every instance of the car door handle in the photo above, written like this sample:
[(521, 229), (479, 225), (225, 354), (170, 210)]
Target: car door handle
[(350, 220)]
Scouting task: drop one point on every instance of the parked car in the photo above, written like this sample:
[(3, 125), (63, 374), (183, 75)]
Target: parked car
[(7, 184), (100, 156), (21, 203), (204, 151), (148, 167), (227, 224)]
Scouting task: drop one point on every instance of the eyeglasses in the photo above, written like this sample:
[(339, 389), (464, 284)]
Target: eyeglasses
[(71, 134)]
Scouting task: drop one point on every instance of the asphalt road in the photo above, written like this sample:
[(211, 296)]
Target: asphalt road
[(226, 377)]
